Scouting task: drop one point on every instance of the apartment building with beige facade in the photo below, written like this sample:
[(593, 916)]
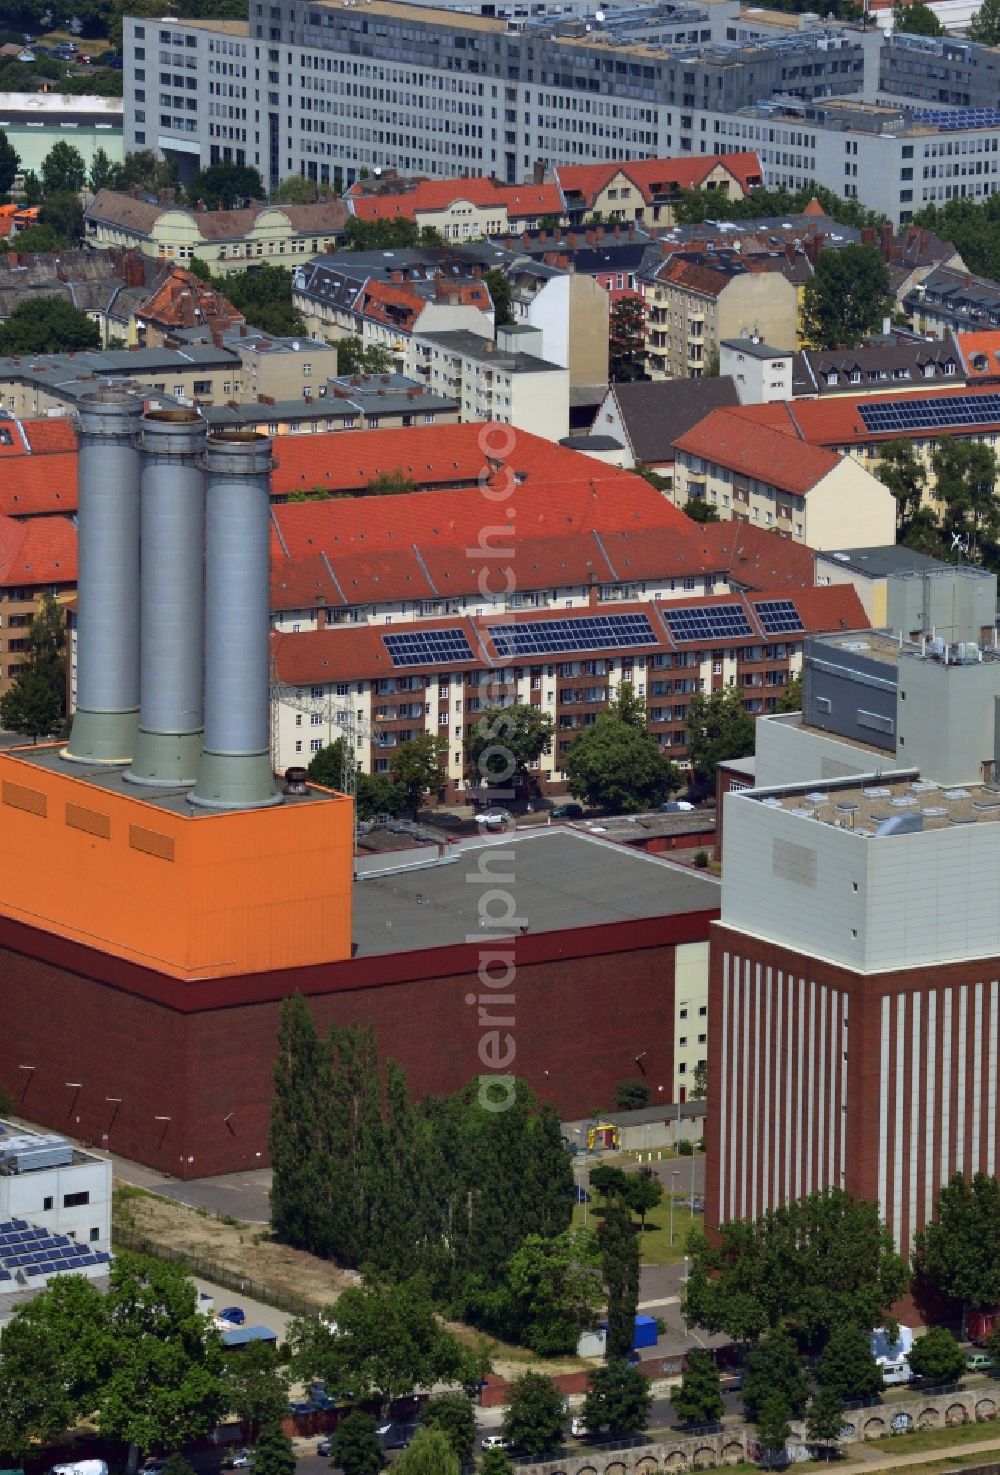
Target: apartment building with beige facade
[(694, 302)]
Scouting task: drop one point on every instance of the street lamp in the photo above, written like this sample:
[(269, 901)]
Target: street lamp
[(673, 1192)]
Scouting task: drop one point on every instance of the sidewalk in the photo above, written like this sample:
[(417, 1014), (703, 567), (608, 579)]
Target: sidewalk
[(873, 1460)]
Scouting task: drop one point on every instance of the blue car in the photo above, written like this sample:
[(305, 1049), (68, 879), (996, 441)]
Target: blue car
[(235, 1314)]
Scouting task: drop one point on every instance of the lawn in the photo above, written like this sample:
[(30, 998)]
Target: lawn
[(656, 1248), (920, 1439)]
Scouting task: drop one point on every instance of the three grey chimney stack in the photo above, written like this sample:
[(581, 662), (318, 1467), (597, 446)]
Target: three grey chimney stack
[(172, 628)]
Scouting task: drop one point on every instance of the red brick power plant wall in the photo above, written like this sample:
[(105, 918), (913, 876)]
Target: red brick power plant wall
[(882, 1084), (178, 1075)]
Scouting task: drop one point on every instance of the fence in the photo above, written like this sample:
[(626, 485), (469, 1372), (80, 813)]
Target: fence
[(221, 1275)]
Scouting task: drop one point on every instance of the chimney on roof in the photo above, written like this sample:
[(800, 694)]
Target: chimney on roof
[(135, 190), (868, 235), (886, 239), (490, 345), (538, 172)]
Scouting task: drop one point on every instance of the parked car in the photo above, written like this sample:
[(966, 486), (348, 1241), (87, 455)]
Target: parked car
[(677, 806), (323, 1448), (979, 1363), (568, 811), (234, 1314), (895, 1374), (241, 1460), (397, 1434), (577, 1427), (152, 1467), (580, 1195), (495, 819), (494, 1441)]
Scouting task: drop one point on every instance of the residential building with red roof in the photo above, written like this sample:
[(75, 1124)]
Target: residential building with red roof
[(36, 557), (37, 468), (645, 190), (182, 300), (747, 462), (459, 209), (439, 676)]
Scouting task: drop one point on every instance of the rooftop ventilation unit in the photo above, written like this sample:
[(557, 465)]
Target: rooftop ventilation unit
[(29, 1154)]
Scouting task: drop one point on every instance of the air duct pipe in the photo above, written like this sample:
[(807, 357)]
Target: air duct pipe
[(107, 652), (235, 770), (172, 616)]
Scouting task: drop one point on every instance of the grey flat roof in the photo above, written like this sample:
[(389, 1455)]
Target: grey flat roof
[(561, 879), (584, 442), (473, 347), (756, 349), (877, 563)]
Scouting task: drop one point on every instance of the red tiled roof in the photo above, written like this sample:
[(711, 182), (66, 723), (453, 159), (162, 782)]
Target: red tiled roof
[(650, 176), (55, 434), (972, 346), (430, 195), (758, 558), (758, 450), (40, 551), (184, 301), (834, 420), (353, 652), (41, 479), (694, 276)]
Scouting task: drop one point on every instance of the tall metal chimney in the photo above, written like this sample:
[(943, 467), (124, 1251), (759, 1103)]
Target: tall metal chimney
[(172, 628), (235, 770), (107, 653)]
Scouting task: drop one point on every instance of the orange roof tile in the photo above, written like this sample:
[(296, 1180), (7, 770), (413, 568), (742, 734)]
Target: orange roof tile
[(757, 450), (758, 558), (40, 551), (980, 354), (430, 195), (40, 476), (834, 421), (652, 176), (184, 300)]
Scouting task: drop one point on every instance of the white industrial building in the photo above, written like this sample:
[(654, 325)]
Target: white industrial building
[(55, 1210)]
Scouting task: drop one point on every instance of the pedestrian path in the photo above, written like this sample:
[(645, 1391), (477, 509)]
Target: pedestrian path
[(874, 1459)]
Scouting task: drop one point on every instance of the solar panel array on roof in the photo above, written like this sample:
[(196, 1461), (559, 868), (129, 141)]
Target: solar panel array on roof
[(34, 1252), (930, 414), (707, 622), (951, 120), (587, 632), (428, 647), (777, 616)]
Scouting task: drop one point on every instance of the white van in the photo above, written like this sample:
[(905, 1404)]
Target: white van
[(894, 1373)]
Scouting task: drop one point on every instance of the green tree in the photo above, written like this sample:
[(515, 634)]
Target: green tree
[(958, 1252), (936, 1356), (47, 325), (700, 511), (10, 162), (151, 173), (903, 472), (104, 174), (381, 235), (719, 727), (99, 82), (697, 1399), (63, 169), (609, 1181), (417, 768), (355, 1447), (699, 1078), (30, 706), (985, 24), (847, 297), (54, 1358), (264, 297), (809, 1265), (351, 1133), (453, 1414), (774, 1366), (297, 1137), (32, 188), (326, 767), (501, 296), (390, 484), (273, 1453), (557, 1286), (825, 1417), (496, 1462), (618, 1399), (772, 1428), (924, 534), (791, 695), (617, 766), (618, 1238), (177, 1465), (626, 341), (256, 1385), (165, 1386), (535, 1420), (847, 1365), (430, 1453), (63, 213), (388, 1341), (631, 1095), (35, 239), (549, 1177), (916, 19), (965, 475), (297, 190), (353, 358), (506, 740), (643, 1192), (222, 185)]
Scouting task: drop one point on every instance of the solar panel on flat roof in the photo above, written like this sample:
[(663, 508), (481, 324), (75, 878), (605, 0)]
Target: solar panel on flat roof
[(777, 616), (888, 416), (584, 632), (428, 647), (706, 622)]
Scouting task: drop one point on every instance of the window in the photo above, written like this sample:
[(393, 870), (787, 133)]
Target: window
[(46, 1204), (315, 744), (95, 1235), (682, 1013), (682, 1042), (75, 1200), (703, 1011)]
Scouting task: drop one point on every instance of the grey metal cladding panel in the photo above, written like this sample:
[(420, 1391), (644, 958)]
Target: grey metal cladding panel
[(236, 609), (172, 613), (791, 862), (108, 577)]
